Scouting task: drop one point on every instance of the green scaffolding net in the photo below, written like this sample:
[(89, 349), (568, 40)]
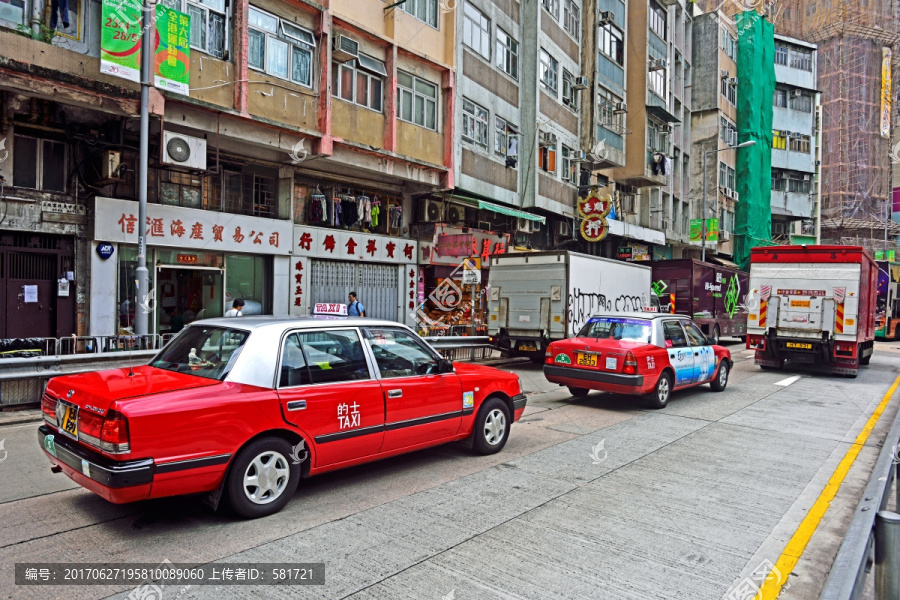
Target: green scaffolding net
[(756, 87)]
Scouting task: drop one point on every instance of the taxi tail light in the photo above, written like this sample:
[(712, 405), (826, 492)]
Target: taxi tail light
[(630, 364), (548, 353), (114, 435), (48, 408)]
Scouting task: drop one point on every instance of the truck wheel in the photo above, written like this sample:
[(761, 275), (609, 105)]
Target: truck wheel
[(578, 392), (716, 336), (659, 397), (865, 361), (721, 379)]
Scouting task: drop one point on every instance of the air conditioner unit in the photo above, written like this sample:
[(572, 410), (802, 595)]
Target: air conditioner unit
[(724, 236), (657, 63), (431, 211), (456, 214), (535, 226), (735, 196), (665, 128), (523, 225), (797, 93), (621, 107), (607, 16), (485, 225), (732, 81), (547, 138), (184, 150), (344, 49), (723, 189), (724, 74), (563, 228), (581, 83)]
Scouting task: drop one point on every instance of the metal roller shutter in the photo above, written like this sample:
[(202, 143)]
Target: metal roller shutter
[(376, 286)]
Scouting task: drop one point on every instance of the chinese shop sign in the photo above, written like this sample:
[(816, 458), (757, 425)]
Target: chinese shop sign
[(594, 210), (120, 39), (337, 244), (173, 52)]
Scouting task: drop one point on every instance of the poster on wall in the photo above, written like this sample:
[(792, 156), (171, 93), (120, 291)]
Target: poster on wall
[(120, 39), (886, 92), (172, 61)]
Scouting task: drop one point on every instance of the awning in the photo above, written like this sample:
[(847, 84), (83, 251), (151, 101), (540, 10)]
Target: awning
[(500, 209), (722, 261)]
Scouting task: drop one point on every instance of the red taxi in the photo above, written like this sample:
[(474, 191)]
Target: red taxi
[(242, 409), (648, 354)]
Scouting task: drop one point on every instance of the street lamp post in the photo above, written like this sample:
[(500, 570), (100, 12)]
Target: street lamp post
[(703, 211)]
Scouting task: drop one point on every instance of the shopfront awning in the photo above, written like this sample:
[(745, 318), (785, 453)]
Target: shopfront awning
[(723, 261), (500, 209)]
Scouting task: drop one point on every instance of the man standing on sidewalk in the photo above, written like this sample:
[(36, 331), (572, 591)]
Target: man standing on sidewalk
[(354, 306)]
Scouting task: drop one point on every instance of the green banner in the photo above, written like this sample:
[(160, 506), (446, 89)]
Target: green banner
[(172, 62), (120, 39), (712, 230), (885, 255)]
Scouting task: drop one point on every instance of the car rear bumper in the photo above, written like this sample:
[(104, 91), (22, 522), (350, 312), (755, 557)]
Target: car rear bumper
[(117, 481), (593, 379)]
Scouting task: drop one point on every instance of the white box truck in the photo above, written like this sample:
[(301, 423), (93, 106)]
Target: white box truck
[(539, 297)]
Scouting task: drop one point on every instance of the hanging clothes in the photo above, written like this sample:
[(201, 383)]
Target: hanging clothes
[(396, 215), (316, 208), (376, 210), (338, 212), (59, 8), (365, 209), (349, 214)]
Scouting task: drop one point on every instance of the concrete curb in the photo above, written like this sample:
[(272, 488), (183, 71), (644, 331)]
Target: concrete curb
[(16, 417)]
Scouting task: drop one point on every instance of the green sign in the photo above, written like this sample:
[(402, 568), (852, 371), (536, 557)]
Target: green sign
[(885, 255), (712, 230), (120, 39), (732, 295), (172, 62)]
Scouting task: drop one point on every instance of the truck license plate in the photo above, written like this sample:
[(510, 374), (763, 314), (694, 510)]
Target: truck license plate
[(586, 360), (527, 348), (799, 346)]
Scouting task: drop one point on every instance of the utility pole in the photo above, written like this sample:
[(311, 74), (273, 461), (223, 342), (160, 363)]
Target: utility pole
[(144, 304)]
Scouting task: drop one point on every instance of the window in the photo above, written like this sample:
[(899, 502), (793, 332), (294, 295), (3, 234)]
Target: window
[(207, 23), (571, 18), (549, 72), (475, 123), (208, 352), (801, 59), (780, 98), (658, 21), (39, 164), (729, 90), (547, 158), (568, 164), (12, 11), (730, 178), (729, 44), (360, 81), (551, 6), (779, 140), (507, 54), (417, 100), (280, 48), (180, 189), (424, 10), (695, 335), (727, 131), (611, 43), (803, 102), (616, 328), (657, 137), (322, 357), (797, 183), (400, 354), (781, 55), (609, 118), (778, 182), (569, 93), (674, 335), (722, 173), (657, 82), (506, 143), (477, 31), (800, 143)]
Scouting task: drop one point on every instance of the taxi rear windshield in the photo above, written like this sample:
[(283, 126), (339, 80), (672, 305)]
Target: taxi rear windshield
[(612, 328), (202, 351)]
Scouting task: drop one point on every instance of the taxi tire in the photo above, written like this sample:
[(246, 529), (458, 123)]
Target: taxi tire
[(491, 408), (237, 498), (716, 336), (717, 385), (578, 392), (653, 399)]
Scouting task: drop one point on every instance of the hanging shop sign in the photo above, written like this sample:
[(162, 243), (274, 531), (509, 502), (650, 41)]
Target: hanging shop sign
[(634, 252), (335, 244), (172, 59), (191, 228), (104, 251), (594, 210), (120, 39), (712, 230)]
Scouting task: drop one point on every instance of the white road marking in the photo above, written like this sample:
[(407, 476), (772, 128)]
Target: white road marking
[(788, 381)]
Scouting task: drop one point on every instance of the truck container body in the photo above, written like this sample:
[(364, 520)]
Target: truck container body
[(887, 315), (712, 295), (540, 297), (813, 305)]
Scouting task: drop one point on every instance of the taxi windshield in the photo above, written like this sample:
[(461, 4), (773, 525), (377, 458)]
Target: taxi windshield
[(613, 328), (202, 351)]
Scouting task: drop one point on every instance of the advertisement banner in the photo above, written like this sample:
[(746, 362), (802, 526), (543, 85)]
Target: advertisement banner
[(120, 39), (886, 92), (172, 62), (712, 230)]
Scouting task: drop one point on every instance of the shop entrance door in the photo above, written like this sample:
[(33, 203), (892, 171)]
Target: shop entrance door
[(376, 286), (194, 292)]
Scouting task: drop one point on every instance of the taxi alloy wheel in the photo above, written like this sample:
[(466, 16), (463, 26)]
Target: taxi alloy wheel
[(262, 478), (721, 379), (659, 397), (491, 427), (716, 336)]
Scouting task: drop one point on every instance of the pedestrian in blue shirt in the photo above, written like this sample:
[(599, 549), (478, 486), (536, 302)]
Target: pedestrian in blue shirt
[(354, 306)]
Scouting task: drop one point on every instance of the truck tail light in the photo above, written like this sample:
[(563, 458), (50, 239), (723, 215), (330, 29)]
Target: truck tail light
[(109, 433), (630, 364), (48, 408), (756, 342), (844, 349)]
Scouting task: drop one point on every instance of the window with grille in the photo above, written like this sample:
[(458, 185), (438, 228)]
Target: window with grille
[(208, 24), (800, 143), (475, 123), (569, 93)]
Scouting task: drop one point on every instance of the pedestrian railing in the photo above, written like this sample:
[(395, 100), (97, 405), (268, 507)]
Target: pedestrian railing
[(71, 345), (470, 347), (873, 537)]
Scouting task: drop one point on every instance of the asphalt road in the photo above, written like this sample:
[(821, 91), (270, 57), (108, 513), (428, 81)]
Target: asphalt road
[(591, 498)]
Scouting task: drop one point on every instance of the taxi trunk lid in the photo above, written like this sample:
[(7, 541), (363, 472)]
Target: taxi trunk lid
[(587, 353)]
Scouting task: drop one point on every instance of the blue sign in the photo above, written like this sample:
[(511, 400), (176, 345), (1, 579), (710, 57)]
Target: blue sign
[(105, 250)]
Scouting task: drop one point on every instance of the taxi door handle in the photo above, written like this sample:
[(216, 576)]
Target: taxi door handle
[(296, 405), (696, 354), (395, 393)]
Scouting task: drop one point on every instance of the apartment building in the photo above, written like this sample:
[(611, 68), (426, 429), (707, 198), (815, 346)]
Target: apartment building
[(285, 176), (714, 120), (794, 164)]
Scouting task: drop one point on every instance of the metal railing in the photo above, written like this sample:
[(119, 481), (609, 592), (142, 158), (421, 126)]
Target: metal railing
[(71, 345), (469, 347), (872, 535)]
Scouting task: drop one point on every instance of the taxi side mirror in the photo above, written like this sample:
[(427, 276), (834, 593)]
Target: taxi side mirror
[(445, 366)]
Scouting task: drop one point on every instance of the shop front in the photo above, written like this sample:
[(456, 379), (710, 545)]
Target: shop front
[(328, 264), (199, 261)]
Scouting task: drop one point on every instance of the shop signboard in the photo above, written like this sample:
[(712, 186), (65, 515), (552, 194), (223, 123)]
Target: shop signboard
[(191, 228), (338, 244), (712, 230), (450, 245)]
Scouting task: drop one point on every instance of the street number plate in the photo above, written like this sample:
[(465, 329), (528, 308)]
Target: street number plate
[(586, 360), (799, 346)]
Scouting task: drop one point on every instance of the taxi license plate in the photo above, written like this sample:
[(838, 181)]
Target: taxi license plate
[(799, 346), (68, 424), (527, 348), (586, 360)]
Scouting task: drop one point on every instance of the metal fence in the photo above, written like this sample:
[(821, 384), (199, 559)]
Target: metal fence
[(71, 345), (873, 537), (470, 347)]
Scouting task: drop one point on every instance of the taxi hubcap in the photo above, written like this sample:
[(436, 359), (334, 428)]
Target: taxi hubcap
[(723, 375), (494, 427), (663, 389), (266, 477)]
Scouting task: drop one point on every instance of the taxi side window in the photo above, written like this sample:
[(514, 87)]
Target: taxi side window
[(695, 335), (325, 357), (674, 335), (399, 353)]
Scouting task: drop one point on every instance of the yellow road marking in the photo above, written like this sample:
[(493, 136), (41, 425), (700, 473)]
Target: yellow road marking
[(797, 544)]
